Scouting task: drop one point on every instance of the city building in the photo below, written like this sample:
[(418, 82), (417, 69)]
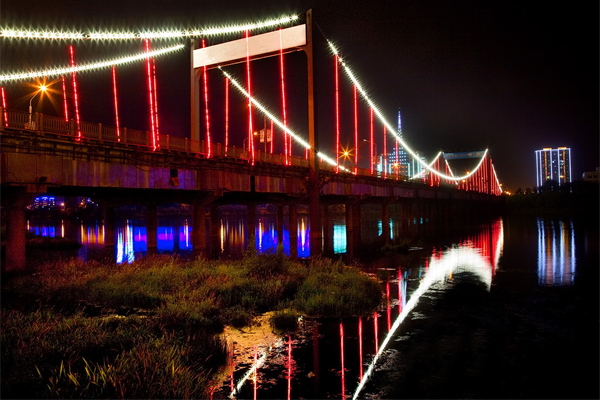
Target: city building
[(591, 176), (553, 165)]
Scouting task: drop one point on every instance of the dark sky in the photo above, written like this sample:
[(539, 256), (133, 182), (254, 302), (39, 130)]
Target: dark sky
[(511, 76)]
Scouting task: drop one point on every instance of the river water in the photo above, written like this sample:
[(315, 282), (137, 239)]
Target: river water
[(504, 309)]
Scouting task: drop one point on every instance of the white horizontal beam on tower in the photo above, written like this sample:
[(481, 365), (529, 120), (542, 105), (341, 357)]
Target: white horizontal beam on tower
[(253, 46)]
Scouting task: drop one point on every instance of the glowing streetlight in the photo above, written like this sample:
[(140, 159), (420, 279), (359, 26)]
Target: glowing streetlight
[(42, 88)]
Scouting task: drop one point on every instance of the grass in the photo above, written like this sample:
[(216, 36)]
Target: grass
[(150, 329)]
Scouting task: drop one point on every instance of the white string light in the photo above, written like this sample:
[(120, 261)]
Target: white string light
[(103, 64), (390, 128), (172, 34)]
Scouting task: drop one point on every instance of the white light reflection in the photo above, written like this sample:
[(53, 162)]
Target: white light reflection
[(462, 259), (259, 362)]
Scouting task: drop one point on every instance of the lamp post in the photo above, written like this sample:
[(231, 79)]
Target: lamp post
[(41, 89)]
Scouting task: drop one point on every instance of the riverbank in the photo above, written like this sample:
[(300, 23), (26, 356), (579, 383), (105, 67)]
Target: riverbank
[(152, 329)]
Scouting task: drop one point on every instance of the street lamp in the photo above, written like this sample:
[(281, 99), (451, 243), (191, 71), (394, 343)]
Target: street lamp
[(42, 88)]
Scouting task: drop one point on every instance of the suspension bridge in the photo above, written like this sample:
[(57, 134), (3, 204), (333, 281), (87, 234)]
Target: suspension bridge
[(260, 133)]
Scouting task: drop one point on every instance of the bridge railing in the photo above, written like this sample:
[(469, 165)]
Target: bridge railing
[(99, 132), (38, 122)]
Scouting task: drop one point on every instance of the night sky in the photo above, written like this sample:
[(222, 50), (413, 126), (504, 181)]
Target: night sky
[(512, 76)]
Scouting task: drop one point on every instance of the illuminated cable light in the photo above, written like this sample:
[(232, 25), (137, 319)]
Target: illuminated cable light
[(3, 93), (248, 83), (114, 81), (75, 93), (243, 28), (64, 89), (206, 114), (167, 34), (272, 117), (382, 119), (103, 64)]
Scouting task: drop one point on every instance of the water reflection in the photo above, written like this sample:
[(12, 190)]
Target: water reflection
[(556, 252), (335, 358)]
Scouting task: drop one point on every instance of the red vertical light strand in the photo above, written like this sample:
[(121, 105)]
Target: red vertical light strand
[(248, 84), (337, 115), (388, 305), (343, 369), (226, 114), (155, 89), (150, 95), (75, 94), (376, 332), (272, 136), (287, 144), (384, 161), (206, 114), (114, 81), (397, 161), (64, 89), (360, 348), (289, 368), (4, 106), (372, 140), (355, 129)]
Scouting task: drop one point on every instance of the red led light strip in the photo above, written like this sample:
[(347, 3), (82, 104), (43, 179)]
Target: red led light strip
[(64, 89), (114, 81), (226, 114), (372, 143), (287, 140), (248, 83), (206, 114), (150, 94), (355, 129), (4, 106), (75, 94), (337, 115)]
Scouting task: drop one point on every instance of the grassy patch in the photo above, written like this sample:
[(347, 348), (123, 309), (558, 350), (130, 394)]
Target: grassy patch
[(149, 329)]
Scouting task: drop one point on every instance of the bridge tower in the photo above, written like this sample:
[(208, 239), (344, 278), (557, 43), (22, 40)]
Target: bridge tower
[(270, 44)]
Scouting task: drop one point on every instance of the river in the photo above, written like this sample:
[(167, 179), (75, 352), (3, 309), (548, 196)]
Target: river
[(505, 309)]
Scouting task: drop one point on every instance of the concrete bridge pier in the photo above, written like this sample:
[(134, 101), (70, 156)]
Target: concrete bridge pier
[(293, 228), (152, 228), (215, 232), (109, 217), (279, 224), (385, 223), (327, 230), (353, 227), (199, 235), (251, 221), (14, 202)]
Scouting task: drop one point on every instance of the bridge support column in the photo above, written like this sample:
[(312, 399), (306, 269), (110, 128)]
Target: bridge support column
[(151, 228), (293, 228), (215, 231), (279, 225), (251, 218), (328, 232), (385, 223), (14, 204), (199, 229), (353, 226), (109, 225)]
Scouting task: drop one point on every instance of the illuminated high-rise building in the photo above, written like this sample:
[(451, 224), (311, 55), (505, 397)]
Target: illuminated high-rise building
[(553, 165)]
